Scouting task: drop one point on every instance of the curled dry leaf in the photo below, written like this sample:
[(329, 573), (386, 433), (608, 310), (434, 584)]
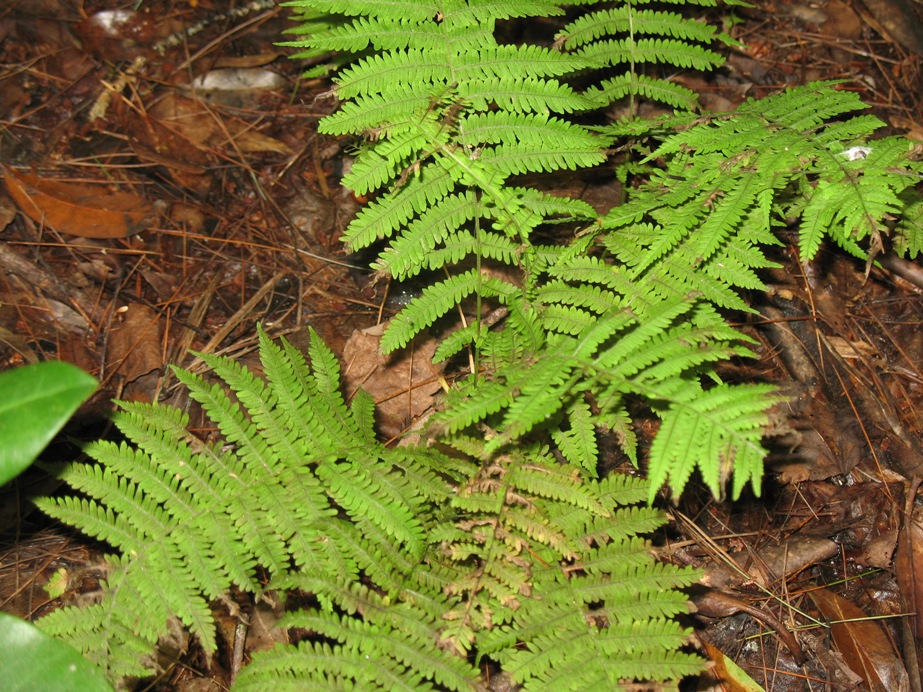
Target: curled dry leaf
[(863, 643), (75, 209)]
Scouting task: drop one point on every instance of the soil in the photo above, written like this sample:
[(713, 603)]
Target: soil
[(222, 209)]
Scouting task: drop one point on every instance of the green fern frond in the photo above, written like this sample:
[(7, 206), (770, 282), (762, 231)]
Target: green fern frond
[(579, 625), (414, 557), (908, 233), (578, 442), (700, 433), (631, 37), (522, 508), (102, 628), (365, 655), (420, 561), (382, 218), (449, 122), (436, 301), (633, 84), (527, 95), (190, 519)]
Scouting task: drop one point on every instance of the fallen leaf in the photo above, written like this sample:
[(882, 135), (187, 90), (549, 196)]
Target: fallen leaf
[(162, 137), (850, 350), (731, 676), (908, 558), (402, 385), (76, 209), (863, 643), (879, 551), (253, 141), (186, 137), (136, 349)]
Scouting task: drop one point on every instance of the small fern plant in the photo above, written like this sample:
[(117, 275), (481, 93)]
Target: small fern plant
[(421, 561), (631, 306)]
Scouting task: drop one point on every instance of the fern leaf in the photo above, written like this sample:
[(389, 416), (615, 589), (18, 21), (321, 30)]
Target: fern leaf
[(407, 254), (367, 113), (382, 163), (709, 433), (908, 240), (633, 84), (383, 217), (362, 494), (528, 95), (578, 442), (435, 302)]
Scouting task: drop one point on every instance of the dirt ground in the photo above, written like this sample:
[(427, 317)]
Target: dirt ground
[(222, 208)]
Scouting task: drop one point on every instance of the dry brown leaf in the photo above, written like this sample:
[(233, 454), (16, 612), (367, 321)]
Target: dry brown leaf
[(185, 136), (75, 209), (136, 347), (264, 632), (914, 128), (402, 385), (728, 674), (863, 643), (908, 559), (253, 141), (166, 136), (192, 120), (850, 350), (879, 551)]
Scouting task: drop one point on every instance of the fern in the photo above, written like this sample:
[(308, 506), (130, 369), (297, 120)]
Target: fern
[(190, 520), (417, 559), (629, 312), (642, 37), (491, 544)]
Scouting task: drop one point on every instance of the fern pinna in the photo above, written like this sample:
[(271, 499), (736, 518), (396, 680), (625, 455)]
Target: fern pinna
[(420, 561)]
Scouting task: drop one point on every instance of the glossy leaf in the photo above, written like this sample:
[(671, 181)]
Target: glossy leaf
[(37, 401), (32, 660)]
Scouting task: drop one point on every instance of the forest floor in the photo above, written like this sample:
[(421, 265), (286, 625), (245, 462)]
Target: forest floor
[(150, 208)]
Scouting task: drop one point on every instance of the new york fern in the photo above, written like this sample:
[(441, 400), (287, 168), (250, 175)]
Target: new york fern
[(499, 542), (421, 561), (454, 124)]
